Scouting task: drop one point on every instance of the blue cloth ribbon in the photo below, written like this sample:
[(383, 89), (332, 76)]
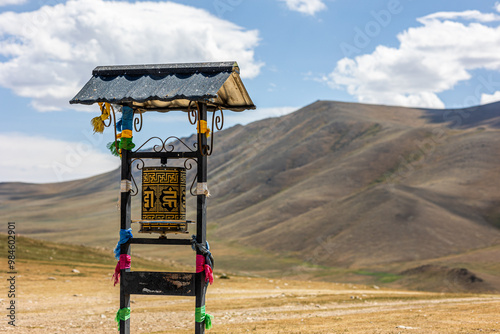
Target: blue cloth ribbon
[(119, 126), (127, 118), (125, 235)]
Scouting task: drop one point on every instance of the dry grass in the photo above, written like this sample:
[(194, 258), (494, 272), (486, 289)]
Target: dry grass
[(86, 302)]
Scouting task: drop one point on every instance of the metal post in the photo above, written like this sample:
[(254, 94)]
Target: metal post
[(125, 220), (201, 218)]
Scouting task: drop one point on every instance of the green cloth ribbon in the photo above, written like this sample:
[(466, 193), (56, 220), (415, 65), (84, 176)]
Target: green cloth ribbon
[(201, 316), (123, 143), (126, 143), (122, 314)]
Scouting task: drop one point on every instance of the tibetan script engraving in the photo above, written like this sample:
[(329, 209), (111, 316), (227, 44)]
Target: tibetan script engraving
[(163, 193)]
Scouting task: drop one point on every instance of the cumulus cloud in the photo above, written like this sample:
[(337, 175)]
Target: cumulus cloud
[(490, 98), (51, 160), (51, 52), (430, 59), (11, 2), (472, 15), (309, 7)]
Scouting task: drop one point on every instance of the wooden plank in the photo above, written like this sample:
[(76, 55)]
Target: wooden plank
[(159, 283)]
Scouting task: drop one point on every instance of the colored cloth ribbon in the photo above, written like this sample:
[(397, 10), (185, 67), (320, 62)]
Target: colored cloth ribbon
[(122, 314), (201, 316), (202, 266), (123, 263), (123, 138), (125, 235), (205, 250), (127, 118), (202, 128), (98, 122)]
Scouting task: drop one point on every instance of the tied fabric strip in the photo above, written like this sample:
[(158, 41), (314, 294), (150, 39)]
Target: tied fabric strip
[(205, 250), (202, 266), (98, 122), (202, 128), (125, 235), (122, 314), (123, 263), (201, 316), (123, 139)]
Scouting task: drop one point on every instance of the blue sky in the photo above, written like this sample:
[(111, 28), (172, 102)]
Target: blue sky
[(437, 54)]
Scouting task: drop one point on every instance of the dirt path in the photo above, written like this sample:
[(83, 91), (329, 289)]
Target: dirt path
[(87, 303)]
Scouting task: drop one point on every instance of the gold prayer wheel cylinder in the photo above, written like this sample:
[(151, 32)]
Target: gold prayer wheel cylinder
[(164, 193)]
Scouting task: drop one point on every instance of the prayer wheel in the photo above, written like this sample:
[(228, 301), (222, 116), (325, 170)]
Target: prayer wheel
[(163, 200)]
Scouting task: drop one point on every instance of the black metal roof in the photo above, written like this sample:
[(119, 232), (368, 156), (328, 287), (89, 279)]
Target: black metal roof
[(167, 87)]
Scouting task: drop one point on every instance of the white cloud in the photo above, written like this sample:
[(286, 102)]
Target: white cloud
[(429, 60), (52, 51), (11, 2), (490, 98), (39, 160), (309, 7), (497, 6), (473, 15)]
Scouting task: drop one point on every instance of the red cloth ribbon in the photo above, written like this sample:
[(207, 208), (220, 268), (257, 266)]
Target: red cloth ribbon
[(202, 266), (123, 263)]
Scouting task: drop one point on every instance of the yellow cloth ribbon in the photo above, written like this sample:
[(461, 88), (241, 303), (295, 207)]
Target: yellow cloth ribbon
[(202, 128), (105, 110), (98, 122), (126, 134)]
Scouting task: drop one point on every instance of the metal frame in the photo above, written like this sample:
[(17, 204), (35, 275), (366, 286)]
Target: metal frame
[(195, 88), (158, 283)]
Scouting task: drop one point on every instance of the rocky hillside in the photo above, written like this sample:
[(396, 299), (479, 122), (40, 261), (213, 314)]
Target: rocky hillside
[(333, 184)]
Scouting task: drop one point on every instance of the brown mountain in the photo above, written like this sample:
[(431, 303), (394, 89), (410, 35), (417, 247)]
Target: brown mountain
[(353, 184), (341, 185)]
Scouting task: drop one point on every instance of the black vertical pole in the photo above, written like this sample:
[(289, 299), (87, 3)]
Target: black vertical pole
[(201, 218), (125, 220)]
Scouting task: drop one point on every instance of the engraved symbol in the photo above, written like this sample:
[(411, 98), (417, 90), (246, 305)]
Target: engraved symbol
[(168, 199), (149, 198)]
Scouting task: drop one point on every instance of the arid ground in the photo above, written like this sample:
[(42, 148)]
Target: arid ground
[(68, 289)]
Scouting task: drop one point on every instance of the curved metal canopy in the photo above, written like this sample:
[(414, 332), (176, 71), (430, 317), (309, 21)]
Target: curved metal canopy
[(168, 87)]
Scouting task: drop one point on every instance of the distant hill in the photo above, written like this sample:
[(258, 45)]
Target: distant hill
[(342, 185), (359, 184)]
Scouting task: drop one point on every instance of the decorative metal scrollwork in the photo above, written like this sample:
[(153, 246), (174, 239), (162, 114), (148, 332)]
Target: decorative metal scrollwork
[(189, 165), (140, 165), (165, 146), (217, 123), (192, 114), (219, 120), (138, 121)]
